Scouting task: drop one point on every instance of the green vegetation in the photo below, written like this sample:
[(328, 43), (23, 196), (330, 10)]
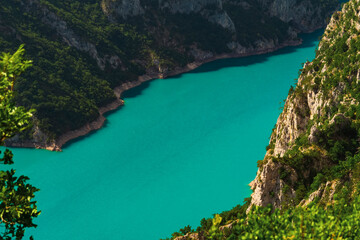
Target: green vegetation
[(210, 226), (65, 85), (17, 206), (323, 164), (333, 75), (252, 24), (181, 23), (340, 220), (81, 52)]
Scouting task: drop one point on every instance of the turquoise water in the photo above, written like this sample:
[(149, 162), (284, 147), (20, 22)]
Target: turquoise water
[(181, 149)]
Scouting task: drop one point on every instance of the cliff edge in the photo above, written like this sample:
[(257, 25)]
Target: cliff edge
[(314, 146), (307, 185)]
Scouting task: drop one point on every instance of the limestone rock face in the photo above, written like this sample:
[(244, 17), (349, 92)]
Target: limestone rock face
[(222, 18), (212, 10), (313, 111), (298, 14), (40, 140), (71, 38), (303, 14), (267, 186), (325, 193), (123, 8), (189, 236), (299, 109)]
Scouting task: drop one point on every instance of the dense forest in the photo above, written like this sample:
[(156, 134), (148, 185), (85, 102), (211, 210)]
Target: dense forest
[(83, 49)]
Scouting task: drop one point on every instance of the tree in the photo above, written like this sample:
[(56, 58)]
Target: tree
[(17, 207)]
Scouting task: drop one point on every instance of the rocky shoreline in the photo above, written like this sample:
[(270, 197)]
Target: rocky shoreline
[(99, 122)]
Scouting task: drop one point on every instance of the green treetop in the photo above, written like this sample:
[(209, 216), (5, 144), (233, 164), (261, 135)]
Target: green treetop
[(17, 207)]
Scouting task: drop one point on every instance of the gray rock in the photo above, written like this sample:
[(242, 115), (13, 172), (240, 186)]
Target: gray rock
[(122, 8), (301, 13), (313, 137)]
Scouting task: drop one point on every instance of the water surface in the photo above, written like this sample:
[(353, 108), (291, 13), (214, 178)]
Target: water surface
[(180, 149)]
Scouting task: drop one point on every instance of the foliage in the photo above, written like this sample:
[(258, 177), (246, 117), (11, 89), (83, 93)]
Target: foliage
[(329, 158), (17, 207), (199, 34), (13, 119), (333, 76), (185, 230), (252, 24), (210, 226), (340, 220), (215, 225), (67, 86)]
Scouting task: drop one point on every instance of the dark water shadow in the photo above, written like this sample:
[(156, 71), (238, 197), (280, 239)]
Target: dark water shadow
[(136, 91), (112, 111), (93, 132), (309, 40), (81, 138)]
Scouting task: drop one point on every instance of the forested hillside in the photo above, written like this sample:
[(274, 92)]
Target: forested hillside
[(311, 171), (83, 49)]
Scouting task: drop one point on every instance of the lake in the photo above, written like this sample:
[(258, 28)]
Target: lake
[(181, 149)]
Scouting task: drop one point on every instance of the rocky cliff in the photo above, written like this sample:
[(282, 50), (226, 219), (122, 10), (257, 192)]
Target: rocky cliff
[(311, 169), (290, 16), (313, 151), (305, 15)]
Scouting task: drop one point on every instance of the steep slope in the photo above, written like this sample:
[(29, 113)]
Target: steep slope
[(304, 15), (82, 50), (311, 170), (314, 145)]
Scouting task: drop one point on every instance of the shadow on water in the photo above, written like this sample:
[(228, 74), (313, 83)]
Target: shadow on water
[(105, 125), (79, 139), (309, 40), (136, 91)]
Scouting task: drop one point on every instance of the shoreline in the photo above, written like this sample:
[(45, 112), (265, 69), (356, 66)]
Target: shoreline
[(99, 122)]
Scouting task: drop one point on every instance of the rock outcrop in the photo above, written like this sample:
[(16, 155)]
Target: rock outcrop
[(305, 15), (313, 159), (70, 37), (122, 8), (317, 129), (212, 10)]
